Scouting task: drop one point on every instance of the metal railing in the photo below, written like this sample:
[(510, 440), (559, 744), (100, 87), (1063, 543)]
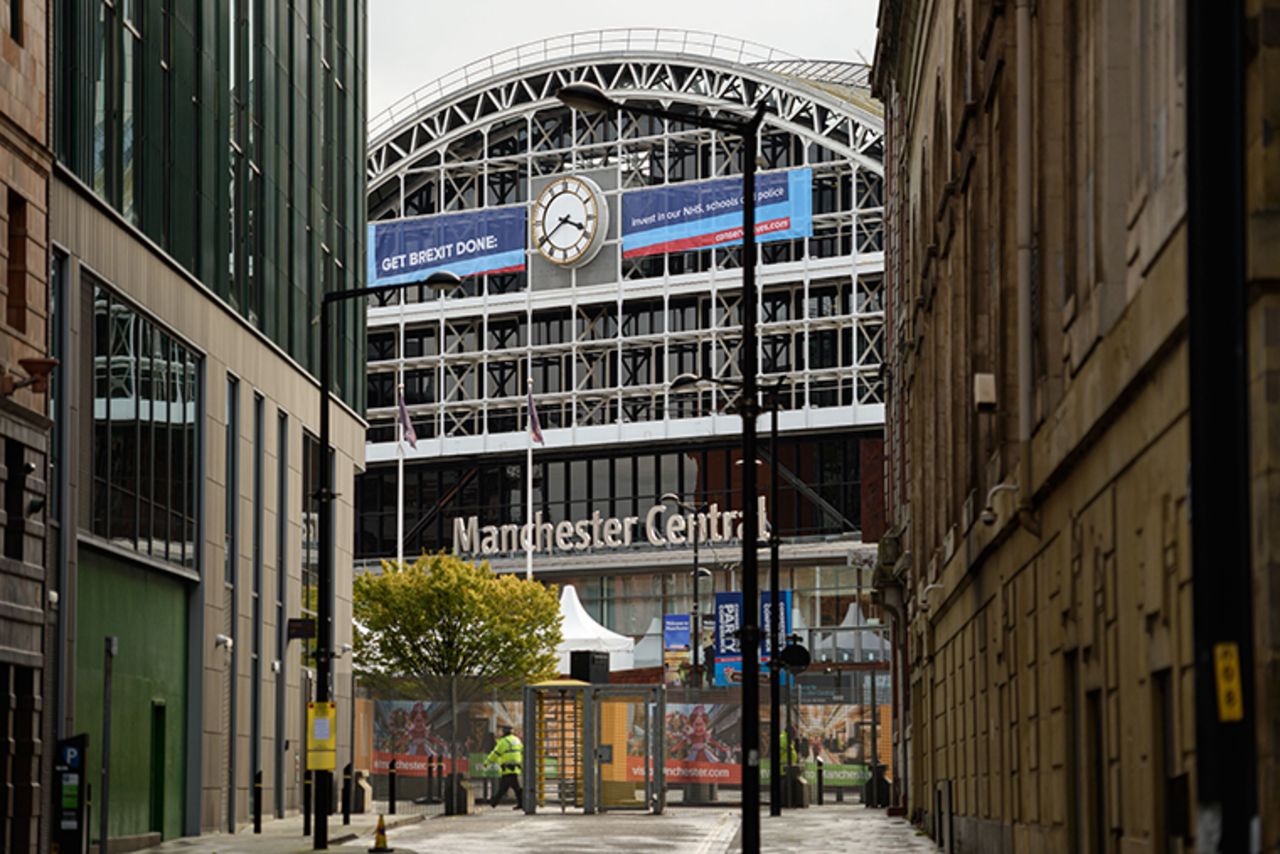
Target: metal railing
[(620, 40)]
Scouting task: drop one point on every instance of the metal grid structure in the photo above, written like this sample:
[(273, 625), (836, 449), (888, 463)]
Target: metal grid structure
[(602, 354)]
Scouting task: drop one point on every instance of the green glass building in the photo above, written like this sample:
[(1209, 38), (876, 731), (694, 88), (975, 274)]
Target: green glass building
[(231, 134), (207, 190)]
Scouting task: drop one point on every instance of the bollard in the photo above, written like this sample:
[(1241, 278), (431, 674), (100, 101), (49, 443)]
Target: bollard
[(431, 778), (820, 781), (257, 802), (346, 794), (391, 787), (306, 803)]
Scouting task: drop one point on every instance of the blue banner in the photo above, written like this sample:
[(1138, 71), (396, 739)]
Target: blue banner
[(699, 214), (676, 629), (728, 665), (470, 243), (766, 622)]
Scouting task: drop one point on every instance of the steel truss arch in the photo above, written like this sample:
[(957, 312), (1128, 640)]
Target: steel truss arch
[(850, 127)]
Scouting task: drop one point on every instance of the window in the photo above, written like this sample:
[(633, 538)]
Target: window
[(16, 307), (146, 415), (15, 20), (255, 592), (232, 480), (130, 86), (310, 532), (282, 600), (15, 461)]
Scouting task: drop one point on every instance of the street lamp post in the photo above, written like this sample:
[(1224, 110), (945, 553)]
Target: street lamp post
[(695, 641), (588, 97), (775, 594), (325, 495)]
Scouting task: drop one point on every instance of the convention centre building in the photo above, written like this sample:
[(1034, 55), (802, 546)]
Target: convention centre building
[(600, 257)]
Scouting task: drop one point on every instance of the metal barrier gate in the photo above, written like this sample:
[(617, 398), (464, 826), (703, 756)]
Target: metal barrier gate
[(594, 747)]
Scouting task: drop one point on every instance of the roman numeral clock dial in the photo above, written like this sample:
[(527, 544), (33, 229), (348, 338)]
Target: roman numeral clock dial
[(569, 221)]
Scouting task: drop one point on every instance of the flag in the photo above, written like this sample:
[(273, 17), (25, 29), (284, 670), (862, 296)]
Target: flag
[(409, 435), (535, 427)]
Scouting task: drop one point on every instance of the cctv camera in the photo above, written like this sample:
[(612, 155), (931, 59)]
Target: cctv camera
[(223, 640), (988, 516)]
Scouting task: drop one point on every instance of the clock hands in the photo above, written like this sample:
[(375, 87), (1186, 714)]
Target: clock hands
[(566, 219)]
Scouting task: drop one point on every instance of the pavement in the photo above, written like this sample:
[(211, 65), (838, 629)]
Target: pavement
[(832, 829)]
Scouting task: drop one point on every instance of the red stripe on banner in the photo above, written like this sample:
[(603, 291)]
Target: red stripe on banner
[(714, 238), (516, 269)]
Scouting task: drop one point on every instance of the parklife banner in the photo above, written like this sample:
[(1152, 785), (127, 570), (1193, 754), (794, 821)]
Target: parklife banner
[(698, 214), (468, 244)]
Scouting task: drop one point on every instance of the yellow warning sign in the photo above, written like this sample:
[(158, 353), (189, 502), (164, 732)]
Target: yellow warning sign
[(322, 736), (1226, 668)]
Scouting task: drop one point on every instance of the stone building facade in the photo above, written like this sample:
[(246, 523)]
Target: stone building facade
[(1037, 420), (26, 670), (1262, 278)]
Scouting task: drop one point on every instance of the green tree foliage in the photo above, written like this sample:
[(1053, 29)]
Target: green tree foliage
[(443, 617)]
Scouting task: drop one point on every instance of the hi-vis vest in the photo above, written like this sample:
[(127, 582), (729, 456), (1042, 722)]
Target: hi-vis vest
[(788, 750), (507, 754)]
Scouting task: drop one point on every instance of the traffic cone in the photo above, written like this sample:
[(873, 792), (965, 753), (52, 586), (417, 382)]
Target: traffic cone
[(380, 838)]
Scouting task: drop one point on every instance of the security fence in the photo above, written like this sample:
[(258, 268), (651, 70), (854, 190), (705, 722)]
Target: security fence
[(426, 730)]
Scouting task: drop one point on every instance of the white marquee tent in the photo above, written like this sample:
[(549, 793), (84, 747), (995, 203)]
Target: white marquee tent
[(581, 632)]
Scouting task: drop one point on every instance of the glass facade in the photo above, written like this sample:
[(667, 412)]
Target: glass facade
[(232, 135), (819, 489), (146, 416), (831, 611)]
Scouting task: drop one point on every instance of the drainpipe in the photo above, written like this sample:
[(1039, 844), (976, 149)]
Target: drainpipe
[(1024, 236)]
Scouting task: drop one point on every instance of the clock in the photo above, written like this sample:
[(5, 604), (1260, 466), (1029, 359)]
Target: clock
[(569, 221)]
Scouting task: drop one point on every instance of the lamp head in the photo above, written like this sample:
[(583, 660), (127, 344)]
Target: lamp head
[(586, 98), (443, 280), (685, 381)]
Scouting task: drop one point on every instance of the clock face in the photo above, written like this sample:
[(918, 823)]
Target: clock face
[(569, 221)]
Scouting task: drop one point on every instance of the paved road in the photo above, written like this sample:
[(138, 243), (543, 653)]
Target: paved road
[(847, 829), (842, 830), (830, 830)]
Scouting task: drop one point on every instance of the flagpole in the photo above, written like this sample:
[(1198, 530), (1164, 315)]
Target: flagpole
[(400, 439), (400, 487), (528, 485)]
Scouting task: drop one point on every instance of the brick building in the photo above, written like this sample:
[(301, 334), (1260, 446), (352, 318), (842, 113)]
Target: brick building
[(1039, 560), (25, 637)]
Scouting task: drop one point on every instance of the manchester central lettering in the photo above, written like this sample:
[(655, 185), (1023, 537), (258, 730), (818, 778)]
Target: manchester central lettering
[(659, 527)]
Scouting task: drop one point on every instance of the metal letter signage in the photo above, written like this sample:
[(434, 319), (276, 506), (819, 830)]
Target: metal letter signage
[(658, 527), (469, 244), (696, 215)]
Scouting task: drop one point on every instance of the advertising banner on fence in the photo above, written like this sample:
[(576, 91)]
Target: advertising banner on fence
[(702, 744), (469, 243), (728, 666), (699, 214), (411, 731)]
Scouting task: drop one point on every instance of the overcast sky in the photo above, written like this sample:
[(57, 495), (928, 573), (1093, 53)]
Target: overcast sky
[(412, 42)]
